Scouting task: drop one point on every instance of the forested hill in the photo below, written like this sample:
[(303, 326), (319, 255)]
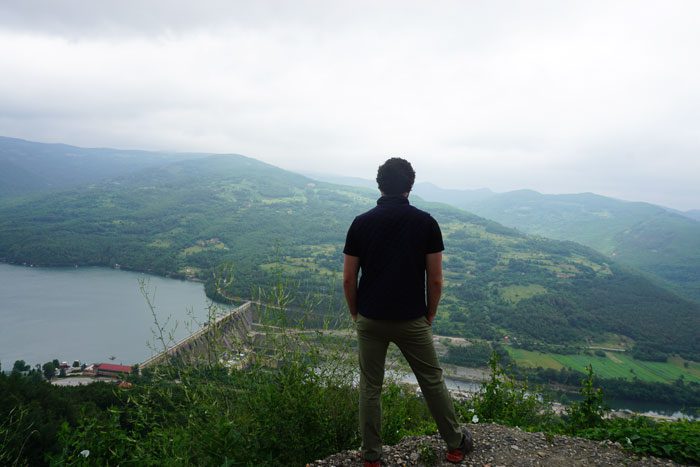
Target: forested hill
[(651, 238), (29, 167), (188, 217)]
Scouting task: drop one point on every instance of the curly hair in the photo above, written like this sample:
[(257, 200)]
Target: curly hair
[(395, 176)]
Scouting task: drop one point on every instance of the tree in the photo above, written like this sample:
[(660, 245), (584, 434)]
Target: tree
[(49, 370), (20, 366)]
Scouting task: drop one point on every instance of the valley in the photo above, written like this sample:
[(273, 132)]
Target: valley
[(194, 217)]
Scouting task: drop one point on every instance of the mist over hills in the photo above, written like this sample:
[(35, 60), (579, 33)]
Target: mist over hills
[(28, 167), (186, 218), (650, 238), (662, 242)]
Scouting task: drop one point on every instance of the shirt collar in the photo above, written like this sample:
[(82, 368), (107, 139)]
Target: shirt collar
[(392, 200)]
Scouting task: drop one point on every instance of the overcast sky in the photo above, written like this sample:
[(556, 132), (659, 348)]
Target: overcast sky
[(556, 96)]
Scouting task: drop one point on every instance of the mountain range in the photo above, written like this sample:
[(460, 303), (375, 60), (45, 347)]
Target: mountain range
[(653, 239), (184, 216), (661, 242)]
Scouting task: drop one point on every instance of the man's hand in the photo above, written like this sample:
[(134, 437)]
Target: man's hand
[(433, 272), (351, 267)]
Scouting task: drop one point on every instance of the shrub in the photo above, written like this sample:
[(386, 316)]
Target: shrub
[(588, 412), (679, 440), (504, 400), (404, 413)]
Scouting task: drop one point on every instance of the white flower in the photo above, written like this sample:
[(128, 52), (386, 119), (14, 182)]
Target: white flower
[(85, 452), (475, 418)]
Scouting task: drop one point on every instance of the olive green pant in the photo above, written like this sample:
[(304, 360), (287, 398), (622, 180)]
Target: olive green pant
[(415, 340)]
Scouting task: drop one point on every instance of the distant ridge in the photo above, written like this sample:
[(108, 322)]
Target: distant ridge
[(651, 238), (342, 180), (693, 214), (28, 167), (190, 218), (657, 240)]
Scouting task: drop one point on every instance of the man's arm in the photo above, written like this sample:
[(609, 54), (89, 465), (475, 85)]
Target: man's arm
[(433, 270), (351, 267)]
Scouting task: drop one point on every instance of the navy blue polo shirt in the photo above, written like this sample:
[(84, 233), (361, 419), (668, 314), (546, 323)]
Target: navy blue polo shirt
[(391, 241)]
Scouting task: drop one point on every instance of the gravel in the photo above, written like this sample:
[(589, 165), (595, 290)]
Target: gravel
[(499, 446)]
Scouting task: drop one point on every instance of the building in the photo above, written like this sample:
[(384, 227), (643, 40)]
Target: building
[(114, 371)]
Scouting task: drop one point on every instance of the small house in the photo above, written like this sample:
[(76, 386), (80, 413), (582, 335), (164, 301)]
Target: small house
[(114, 371)]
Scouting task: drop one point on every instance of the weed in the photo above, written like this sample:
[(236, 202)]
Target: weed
[(426, 454), (504, 400), (679, 441), (589, 412), (14, 433)]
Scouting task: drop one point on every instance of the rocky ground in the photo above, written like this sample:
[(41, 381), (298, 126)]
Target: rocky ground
[(496, 445)]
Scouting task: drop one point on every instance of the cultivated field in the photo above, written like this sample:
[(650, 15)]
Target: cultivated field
[(612, 365)]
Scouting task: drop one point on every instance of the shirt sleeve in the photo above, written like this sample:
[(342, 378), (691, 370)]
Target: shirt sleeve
[(434, 243), (352, 247)]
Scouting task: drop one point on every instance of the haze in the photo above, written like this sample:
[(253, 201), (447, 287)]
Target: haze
[(554, 96)]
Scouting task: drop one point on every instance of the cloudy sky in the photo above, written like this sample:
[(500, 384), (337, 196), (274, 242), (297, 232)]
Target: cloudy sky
[(555, 96)]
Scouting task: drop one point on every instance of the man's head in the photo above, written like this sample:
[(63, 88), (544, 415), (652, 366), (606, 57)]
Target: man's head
[(395, 176)]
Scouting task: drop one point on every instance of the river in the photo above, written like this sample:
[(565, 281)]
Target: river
[(88, 314)]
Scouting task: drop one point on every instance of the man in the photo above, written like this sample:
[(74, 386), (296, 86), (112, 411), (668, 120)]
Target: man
[(398, 249)]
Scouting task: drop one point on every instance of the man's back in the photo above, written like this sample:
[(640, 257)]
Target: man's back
[(396, 247), (391, 241)]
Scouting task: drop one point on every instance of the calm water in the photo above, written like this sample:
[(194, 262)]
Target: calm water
[(90, 314), (87, 314)]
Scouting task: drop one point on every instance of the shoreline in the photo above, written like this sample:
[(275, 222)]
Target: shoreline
[(173, 276)]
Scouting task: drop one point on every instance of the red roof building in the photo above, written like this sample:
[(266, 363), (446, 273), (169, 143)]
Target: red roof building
[(109, 369)]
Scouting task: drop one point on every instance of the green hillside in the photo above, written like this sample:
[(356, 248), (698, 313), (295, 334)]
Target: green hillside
[(647, 237), (30, 167), (186, 218)]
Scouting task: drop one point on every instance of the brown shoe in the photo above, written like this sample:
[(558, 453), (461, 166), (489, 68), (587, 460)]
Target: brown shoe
[(457, 455)]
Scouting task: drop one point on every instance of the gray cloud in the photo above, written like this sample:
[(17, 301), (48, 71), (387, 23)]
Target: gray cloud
[(554, 96)]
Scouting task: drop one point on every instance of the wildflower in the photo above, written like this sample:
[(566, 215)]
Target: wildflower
[(85, 452), (475, 418)]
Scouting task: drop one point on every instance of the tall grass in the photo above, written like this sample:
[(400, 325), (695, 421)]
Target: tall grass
[(285, 406), (293, 400)]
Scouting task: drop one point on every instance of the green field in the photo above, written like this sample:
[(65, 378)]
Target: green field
[(516, 293), (613, 365)]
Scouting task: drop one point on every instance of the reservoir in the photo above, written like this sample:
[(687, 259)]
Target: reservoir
[(89, 314), (92, 314)]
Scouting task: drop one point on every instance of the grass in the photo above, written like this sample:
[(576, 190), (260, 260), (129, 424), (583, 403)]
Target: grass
[(602, 269), (320, 249), (515, 293), (292, 266), (203, 246), (160, 243), (612, 365), (530, 359), (613, 341), (190, 271), (692, 367), (288, 200)]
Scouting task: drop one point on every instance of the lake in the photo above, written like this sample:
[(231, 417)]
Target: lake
[(88, 314), (91, 314)]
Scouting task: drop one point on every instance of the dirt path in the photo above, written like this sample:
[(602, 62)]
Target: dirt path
[(497, 445)]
